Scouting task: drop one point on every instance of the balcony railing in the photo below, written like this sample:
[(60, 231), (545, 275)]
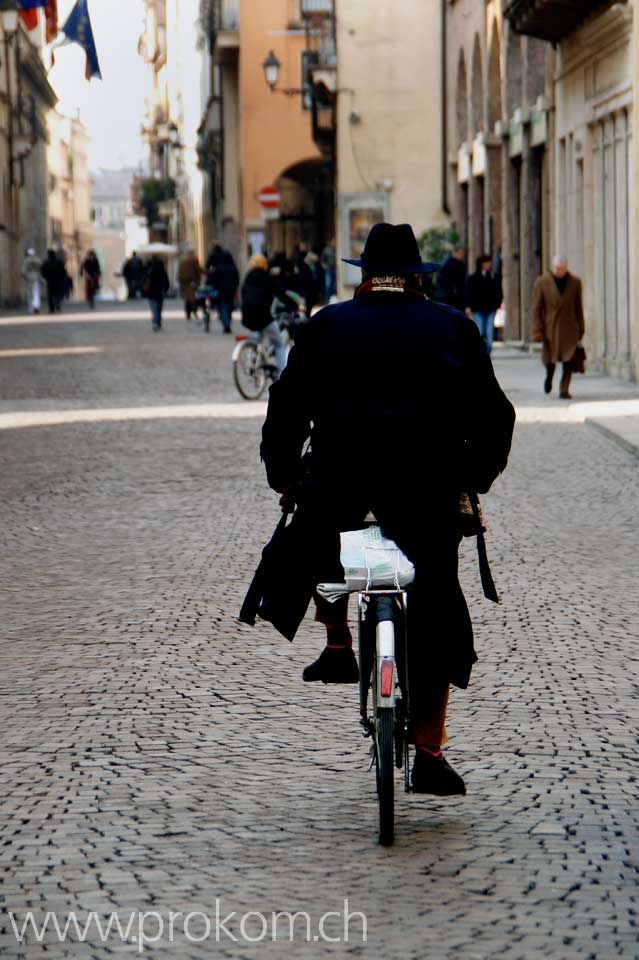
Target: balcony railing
[(551, 20), (327, 59), (317, 8), (227, 15)]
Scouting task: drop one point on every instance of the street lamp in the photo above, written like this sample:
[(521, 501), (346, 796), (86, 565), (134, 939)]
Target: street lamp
[(271, 67), (10, 22)]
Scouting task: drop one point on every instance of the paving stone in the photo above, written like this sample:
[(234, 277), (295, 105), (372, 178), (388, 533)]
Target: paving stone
[(157, 755)]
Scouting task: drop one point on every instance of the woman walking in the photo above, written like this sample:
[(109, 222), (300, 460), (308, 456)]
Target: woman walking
[(156, 287)]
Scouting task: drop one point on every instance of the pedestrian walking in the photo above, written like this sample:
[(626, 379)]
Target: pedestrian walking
[(32, 274), (189, 277), (498, 263), (54, 274), (67, 285), (452, 279), (226, 281), (155, 288), (212, 261), (375, 348), (484, 295), (92, 273), (557, 318), (327, 261), (316, 280), (133, 273), (303, 281)]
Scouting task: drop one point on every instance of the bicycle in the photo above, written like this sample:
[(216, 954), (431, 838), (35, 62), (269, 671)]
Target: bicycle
[(253, 359), (207, 300), (383, 666)]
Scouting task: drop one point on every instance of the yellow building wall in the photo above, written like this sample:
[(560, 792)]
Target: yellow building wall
[(275, 131), (389, 112)]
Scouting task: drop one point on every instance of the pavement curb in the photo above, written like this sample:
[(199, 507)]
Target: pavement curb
[(629, 445)]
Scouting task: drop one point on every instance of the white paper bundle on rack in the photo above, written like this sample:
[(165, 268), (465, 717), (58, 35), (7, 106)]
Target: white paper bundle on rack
[(370, 561)]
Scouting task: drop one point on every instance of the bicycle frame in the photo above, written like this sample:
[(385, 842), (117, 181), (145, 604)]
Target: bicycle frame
[(384, 665)]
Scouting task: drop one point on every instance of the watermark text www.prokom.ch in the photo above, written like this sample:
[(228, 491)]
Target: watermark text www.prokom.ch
[(197, 926)]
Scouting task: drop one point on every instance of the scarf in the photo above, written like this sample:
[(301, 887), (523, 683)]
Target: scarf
[(388, 284)]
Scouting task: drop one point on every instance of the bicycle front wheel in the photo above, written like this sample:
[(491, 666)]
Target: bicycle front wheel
[(248, 372), (385, 742)]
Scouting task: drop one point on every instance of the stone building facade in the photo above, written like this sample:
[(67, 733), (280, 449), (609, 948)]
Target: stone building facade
[(390, 136), (500, 136), (253, 136), (26, 98), (172, 46), (595, 223), (540, 109), (70, 226)]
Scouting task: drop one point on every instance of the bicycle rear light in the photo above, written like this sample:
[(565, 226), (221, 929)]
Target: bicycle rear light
[(388, 672)]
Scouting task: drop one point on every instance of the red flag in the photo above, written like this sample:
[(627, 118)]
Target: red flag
[(51, 13), (30, 18)]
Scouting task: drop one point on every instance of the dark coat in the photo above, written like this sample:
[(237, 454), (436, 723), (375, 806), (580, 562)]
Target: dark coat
[(484, 293), (133, 271), (54, 275), (452, 283), (259, 290), (386, 387), (91, 268), (557, 319), (156, 285), (225, 278)]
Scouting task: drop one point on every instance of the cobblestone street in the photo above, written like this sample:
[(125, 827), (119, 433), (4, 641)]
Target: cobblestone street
[(158, 756)]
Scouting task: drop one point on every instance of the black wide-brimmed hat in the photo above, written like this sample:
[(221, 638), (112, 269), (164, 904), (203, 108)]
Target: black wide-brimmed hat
[(392, 250)]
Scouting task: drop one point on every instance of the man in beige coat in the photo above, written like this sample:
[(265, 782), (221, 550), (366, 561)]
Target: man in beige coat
[(557, 316)]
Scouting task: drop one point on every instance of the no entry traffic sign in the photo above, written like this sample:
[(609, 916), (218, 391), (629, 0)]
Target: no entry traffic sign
[(270, 198)]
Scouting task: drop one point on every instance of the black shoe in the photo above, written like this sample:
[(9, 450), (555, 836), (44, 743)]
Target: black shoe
[(334, 665), (548, 385), (435, 775), (564, 395)]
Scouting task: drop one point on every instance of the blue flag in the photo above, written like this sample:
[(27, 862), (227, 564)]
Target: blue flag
[(78, 29), (31, 4)]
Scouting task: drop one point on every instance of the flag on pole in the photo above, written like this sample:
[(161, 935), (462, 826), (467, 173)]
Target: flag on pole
[(51, 15), (29, 18), (78, 30), (29, 12)]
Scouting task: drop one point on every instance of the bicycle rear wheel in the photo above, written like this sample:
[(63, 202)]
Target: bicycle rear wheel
[(248, 372), (384, 746)]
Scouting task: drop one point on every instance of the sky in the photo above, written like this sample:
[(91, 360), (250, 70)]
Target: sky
[(111, 108)]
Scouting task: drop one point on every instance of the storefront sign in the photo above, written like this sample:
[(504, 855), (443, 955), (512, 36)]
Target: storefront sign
[(360, 211)]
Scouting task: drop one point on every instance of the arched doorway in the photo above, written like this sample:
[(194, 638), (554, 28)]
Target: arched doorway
[(478, 179), (477, 90), (307, 213), (461, 100)]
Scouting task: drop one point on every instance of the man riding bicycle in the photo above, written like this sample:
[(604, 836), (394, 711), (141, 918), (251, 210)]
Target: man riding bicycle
[(399, 400)]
